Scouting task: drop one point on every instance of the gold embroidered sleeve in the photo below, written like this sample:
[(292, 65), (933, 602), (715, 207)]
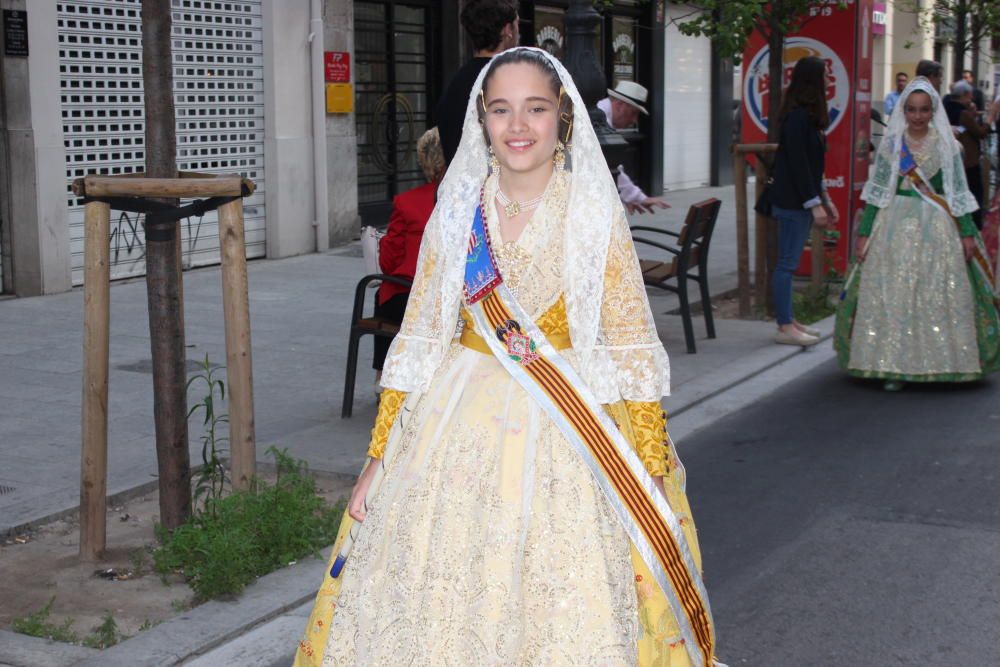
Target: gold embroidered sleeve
[(388, 409), (649, 425)]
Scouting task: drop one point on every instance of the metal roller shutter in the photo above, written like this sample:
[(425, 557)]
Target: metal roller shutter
[(218, 92)]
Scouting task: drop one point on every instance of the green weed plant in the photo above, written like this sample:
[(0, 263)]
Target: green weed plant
[(246, 534), (210, 479), (105, 634), (37, 624)]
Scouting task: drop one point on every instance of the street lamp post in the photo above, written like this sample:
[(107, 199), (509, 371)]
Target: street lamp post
[(582, 22)]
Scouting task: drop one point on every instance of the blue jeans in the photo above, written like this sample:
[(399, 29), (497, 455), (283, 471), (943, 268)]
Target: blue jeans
[(793, 230)]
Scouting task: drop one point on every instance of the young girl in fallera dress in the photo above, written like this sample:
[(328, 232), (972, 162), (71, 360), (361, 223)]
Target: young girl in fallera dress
[(920, 305), (522, 504)]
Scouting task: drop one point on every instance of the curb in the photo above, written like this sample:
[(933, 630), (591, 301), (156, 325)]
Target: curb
[(116, 498), (216, 622), (726, 378)]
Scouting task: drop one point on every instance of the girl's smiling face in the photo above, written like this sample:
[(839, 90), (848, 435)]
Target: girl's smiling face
[(522, 118), (918, 110)]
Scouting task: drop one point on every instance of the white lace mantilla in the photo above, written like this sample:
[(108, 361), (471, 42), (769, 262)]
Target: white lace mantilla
[(881, 186)]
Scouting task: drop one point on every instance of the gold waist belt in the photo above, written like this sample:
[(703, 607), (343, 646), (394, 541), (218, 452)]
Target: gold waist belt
[(474, 341)]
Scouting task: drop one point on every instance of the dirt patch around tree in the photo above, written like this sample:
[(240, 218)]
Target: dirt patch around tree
[(43, 564)]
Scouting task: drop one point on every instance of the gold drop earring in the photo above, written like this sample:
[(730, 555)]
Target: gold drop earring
[(494, 163), (559, 158)]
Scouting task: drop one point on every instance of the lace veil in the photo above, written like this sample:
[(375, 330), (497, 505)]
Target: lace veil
[(618, 360), (881, 185)]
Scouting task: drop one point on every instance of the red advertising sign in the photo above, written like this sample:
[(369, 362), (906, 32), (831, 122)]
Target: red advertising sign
[(843, 39), (337, 66)]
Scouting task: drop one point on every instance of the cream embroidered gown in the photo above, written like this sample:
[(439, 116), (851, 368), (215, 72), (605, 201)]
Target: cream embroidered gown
[(918, 313), (489, 543)]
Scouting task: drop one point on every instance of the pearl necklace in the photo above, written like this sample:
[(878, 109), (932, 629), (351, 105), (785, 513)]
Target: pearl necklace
[(513, 208)]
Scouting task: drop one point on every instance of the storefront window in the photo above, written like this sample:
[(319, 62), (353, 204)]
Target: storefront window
[(550, 33), (623, 43)]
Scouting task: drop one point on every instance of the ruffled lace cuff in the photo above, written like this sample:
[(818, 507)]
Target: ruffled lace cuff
[(411, 363), (642, 372), (388, 410)]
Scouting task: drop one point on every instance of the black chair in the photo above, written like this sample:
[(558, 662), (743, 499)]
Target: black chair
[(690, 251), (365, 326)]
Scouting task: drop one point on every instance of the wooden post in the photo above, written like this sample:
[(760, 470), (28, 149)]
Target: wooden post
[(742, 233), (817, 254), (239, 370), (96, 346), (761, 279)]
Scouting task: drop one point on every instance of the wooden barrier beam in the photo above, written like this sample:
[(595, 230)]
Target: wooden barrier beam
[(96, 346), (239, 367), (755, 148), (112, 186)]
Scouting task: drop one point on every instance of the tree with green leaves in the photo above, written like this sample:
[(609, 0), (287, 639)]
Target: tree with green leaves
[(963, 23), (729, 24)]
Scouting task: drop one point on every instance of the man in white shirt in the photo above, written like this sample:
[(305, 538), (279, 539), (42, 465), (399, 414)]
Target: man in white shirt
[(893, 97), (622, 108)]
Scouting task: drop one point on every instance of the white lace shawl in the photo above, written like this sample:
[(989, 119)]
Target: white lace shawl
[(881, 185), (618, 359)]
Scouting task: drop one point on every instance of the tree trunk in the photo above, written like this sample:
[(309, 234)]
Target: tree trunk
[(976, 36), (961, 38), (163, 273)]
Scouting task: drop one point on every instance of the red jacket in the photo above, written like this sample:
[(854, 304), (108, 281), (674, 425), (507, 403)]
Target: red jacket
[(400, 246)]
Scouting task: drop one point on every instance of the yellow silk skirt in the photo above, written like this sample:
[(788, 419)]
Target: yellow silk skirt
[(490, 544)]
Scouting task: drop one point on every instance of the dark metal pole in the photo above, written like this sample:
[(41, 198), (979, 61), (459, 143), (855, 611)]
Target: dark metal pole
[(163, 273), (582, 26)]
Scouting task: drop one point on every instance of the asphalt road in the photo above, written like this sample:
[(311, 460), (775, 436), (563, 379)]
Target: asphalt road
[(844, 525)]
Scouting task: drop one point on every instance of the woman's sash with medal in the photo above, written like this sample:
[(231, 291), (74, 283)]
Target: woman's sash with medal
[(548, 378)]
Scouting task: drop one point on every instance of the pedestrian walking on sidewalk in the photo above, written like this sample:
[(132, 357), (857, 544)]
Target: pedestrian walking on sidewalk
[(522, 503), (919, 305), (798, 195)]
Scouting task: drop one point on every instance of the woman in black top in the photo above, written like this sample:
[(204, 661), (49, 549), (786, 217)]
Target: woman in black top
[(797, 195)]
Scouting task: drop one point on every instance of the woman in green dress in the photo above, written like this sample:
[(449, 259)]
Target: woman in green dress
[(919, 304)]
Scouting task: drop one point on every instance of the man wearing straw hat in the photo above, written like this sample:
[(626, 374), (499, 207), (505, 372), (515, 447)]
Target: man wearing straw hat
[(622, 108)]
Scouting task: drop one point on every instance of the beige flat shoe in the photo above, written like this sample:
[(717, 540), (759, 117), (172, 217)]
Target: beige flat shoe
[(807, 330), (795, 337)]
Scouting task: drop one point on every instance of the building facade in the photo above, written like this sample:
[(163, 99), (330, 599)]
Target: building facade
[(250, 95), (903, 37)]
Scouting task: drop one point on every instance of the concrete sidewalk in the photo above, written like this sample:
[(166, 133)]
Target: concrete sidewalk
[(300, 309)]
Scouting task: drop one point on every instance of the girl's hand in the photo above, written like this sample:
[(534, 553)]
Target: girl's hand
[(356, 505), (659, 484), (969, 247), (861, 245)]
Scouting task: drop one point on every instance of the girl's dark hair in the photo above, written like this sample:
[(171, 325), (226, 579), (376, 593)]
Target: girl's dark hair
[(807, 90), (517, 56)]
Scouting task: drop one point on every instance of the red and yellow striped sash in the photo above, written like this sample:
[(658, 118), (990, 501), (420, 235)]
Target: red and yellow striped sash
[(614, 466)]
